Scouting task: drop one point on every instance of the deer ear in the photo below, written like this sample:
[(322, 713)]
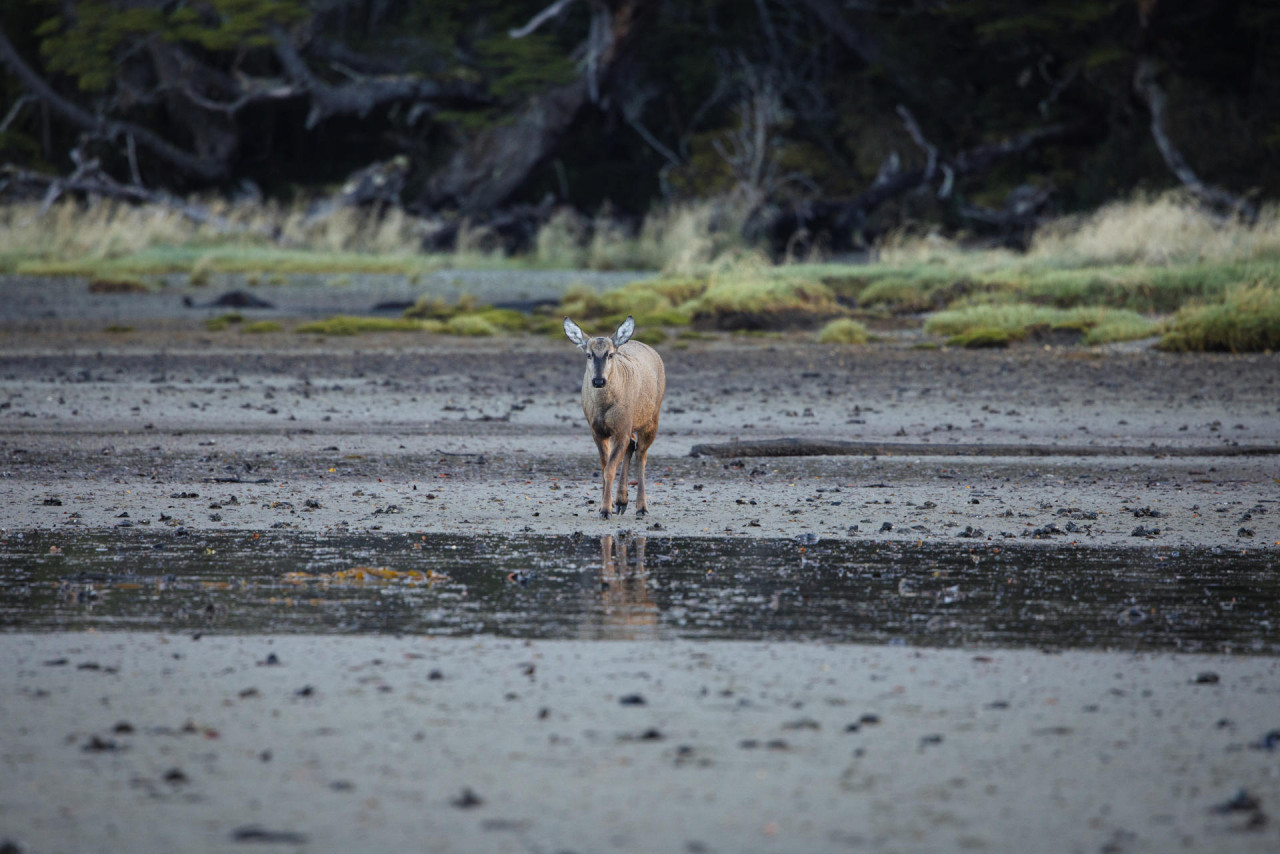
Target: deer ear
[(572, 330), (625, 331)]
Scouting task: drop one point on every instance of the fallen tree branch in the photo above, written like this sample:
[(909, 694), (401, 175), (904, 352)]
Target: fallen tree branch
[(841, 218), (792, 447), (539, 19), (361, 96), (112, 129), (1157, 105)]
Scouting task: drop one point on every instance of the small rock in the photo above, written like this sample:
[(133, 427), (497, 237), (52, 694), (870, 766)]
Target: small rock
[(802, 723), (1241, 801), (1208, 677), (631, 700), (100, 745), (253, 833), (1270, 741), (467, 800)]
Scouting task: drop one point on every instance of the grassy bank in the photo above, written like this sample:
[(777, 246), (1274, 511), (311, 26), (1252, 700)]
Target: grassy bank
[(1134, 270)]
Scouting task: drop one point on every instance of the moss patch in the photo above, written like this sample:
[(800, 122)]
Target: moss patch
[(222, 321), (1247, 320), (474, 325), (843, 330), (346, 324)]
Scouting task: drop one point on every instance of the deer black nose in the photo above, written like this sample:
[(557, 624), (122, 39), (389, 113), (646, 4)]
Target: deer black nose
[(598, 382)]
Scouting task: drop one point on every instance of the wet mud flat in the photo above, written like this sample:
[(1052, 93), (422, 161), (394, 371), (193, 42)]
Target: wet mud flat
[(331, 595), (113, 741), (390, 433)]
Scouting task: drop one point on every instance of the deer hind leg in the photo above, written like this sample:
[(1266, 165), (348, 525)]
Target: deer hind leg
[(624, 478), (643, 441)]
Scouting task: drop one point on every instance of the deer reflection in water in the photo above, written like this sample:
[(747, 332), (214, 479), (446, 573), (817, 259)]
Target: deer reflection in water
[(628, 611)]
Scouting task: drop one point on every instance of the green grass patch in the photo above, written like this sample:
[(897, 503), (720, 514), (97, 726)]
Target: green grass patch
[(261, 327), (898, 294), (653, 337), (652, 303), (118, 329), (434, 308), (467, 317), (474, 325), (222, 321), (346, 324), (984, 325), (843, 330), (954, 281), (1122, 325), (1138, 288), (504, 318), (1246, 320)]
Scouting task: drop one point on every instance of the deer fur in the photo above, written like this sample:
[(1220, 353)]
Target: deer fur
[(622, 392)]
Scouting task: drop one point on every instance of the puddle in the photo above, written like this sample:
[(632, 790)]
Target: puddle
[(645, 587)]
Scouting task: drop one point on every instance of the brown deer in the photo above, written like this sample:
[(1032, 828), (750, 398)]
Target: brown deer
[(622, 393)]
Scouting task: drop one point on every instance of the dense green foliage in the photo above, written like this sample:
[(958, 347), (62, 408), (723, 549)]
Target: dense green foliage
[(774, 102)]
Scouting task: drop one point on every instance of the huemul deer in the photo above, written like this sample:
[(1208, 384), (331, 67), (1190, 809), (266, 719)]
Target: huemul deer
[(622, 393)]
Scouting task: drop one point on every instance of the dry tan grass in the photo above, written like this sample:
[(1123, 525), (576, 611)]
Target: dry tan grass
[(70, 230), (1155, 231), (1169, 229), (101, 230)]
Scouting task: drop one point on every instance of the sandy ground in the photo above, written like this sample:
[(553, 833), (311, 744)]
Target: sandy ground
[(737, 746), (135, 742)]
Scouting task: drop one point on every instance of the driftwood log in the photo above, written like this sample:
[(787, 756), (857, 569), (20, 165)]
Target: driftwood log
[(792, 447)]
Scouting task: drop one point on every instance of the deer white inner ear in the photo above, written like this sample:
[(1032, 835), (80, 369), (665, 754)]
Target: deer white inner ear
[(574, 333), (623, 335)]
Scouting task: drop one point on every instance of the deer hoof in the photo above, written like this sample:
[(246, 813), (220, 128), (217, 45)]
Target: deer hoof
[(641, 513), (604, 514), (620, 508)]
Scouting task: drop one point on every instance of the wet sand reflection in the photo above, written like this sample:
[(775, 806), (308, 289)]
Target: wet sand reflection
[(628, 611)]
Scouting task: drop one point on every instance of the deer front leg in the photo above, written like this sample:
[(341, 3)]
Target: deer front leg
[(602, 445), (624, 478), (617, 450)]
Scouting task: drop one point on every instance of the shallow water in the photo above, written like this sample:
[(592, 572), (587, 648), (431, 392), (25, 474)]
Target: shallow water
[(645, 587)]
